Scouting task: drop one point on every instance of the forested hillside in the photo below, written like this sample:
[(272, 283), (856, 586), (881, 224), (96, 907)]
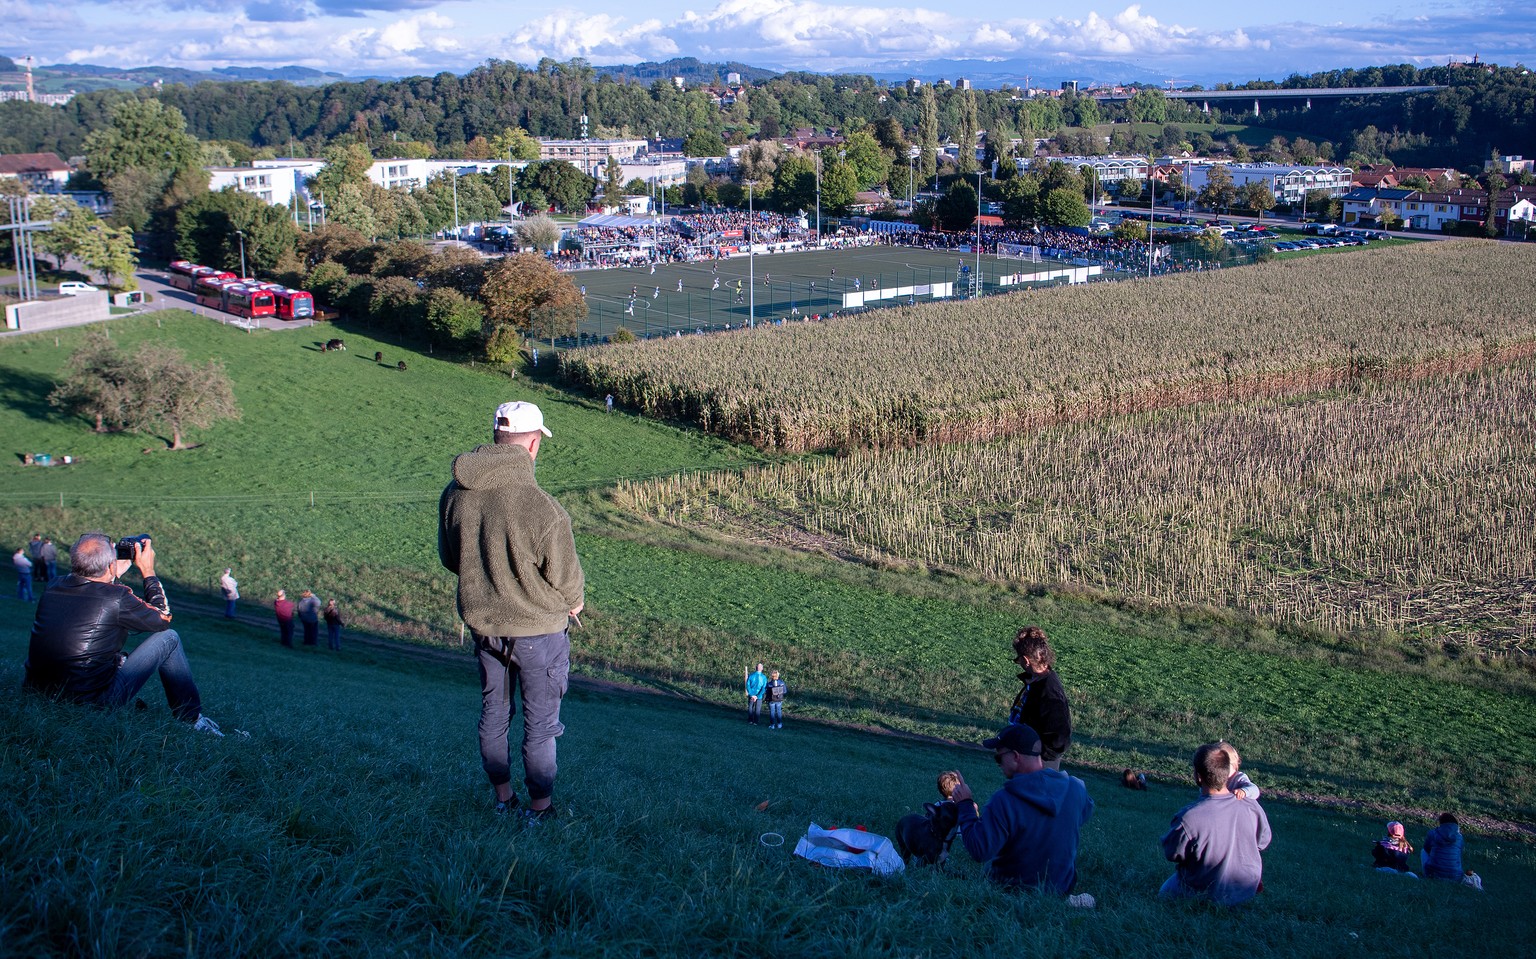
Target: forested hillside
[(1483, 108)]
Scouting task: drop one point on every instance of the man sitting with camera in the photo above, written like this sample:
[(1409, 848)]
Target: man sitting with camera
[(83, 619)]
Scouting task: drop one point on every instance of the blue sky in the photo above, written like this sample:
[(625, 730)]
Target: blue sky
[(1174, 38)]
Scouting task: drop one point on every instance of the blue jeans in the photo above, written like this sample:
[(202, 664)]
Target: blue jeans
[(333, 635), (159, 653), (24, 587), (311, 632), (541, 665), (229, 609), (776, 712), (285, 632), (754, 708)]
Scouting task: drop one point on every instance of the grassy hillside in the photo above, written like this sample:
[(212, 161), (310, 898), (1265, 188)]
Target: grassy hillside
[(330, 481), (355, 821)]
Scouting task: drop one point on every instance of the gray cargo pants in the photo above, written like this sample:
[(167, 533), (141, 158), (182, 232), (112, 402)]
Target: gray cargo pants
[(541, 665)]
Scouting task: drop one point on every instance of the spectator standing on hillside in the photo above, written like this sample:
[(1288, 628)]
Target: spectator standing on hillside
[(520, 584), (1442, 850), (757, 682), (283, 608), (333, 624), (1028, 831), (1042, 701), (231, 591), (23, 565), (774, 693), (308, 612), (35, 553), (50, 557), (1216, 842), (75, 652)]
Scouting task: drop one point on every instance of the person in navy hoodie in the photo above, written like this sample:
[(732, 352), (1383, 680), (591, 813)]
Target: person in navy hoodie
[(1028, 831)]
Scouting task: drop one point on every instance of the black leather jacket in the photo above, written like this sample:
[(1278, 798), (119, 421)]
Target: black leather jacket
[(77, 638)]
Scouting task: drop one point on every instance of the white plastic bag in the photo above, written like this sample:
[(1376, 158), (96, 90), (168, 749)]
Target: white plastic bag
[(849, 849)]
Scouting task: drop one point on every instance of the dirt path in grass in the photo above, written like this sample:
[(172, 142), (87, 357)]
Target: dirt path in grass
[(1525, 832)]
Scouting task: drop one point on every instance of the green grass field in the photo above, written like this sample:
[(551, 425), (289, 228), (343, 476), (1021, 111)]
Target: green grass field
[(355, 820), (330, 481), (783, 285)]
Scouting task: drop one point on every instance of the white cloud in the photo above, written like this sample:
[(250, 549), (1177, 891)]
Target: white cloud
[(600, 38)]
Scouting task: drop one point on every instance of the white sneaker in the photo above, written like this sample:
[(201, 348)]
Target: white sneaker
[(1083, 900), (206, 725)]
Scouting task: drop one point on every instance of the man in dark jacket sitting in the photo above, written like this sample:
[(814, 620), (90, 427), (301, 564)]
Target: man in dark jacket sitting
[(83, 619), (1029, 828)]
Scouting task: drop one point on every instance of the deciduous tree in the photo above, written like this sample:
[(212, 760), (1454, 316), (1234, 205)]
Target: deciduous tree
[(526, 292)]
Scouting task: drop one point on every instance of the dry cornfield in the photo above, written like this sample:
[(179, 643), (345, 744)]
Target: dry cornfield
[(954, 371), (1406, 506)]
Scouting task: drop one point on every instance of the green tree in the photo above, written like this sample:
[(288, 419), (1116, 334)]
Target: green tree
[(927, 134), (1148, 106), (1496, 184), (613, 183), (1021, 196), (703, 143), (839, 187), (346, 164), (871, 164), (453, 319), (968, 131), (794, 185), (514, 143), (956, 210), (348, 205), (1219, 192), (1258, 197), (172, 394), (141, 134), (1064, 207), (208, 231), (1130, 188), (96, 383)]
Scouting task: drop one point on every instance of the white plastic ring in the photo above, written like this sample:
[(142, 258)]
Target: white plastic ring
[(776, 839)]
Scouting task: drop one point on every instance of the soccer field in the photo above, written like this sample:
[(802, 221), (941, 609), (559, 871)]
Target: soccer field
[(787, 286)]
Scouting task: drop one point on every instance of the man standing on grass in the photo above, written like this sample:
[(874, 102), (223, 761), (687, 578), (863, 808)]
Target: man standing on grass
[(520, 583), (1028, 829), (83, 619), (1216, 842)]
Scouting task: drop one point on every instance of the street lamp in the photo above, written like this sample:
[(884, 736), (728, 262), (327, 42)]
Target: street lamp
[(241, 235)]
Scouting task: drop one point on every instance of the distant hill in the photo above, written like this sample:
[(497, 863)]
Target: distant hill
[(94, 76)]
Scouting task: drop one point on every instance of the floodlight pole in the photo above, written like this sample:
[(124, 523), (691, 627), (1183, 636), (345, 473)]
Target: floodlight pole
[(818, 198), (1151, 222), (241, 235), (977, 278), (751, 265), (456, 208)]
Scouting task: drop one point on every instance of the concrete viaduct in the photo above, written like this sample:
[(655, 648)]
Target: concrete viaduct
[(1258, 96)]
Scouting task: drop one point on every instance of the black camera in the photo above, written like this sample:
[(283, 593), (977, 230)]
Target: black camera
[(126, 544)]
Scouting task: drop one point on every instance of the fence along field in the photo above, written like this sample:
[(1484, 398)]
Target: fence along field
[(956, 371), (1405, 506)]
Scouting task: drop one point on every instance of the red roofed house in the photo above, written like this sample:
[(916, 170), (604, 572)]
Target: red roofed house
[(39, 172)]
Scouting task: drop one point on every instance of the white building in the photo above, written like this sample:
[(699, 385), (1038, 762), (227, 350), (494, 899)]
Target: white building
[(591, 156), (408, 174), (1111, 169), (1289, 184)]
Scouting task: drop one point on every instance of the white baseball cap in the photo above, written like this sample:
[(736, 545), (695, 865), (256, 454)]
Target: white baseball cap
[(519, 417)]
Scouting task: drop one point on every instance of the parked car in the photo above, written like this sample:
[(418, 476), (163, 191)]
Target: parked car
[(75, 288)]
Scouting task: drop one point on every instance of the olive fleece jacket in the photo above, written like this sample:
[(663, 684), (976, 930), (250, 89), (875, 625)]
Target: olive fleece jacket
[(510, 544)]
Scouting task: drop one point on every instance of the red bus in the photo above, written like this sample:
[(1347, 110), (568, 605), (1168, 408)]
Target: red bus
[(291, 304), (246, 300), (185, 276), (210, 291)]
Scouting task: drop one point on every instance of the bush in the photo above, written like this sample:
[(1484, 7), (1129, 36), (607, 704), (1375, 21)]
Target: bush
[(621, 335), (504, 345), (453, 319), (397, 304)]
